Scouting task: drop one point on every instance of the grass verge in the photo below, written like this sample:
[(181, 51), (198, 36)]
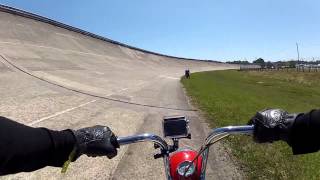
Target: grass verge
[(232, 97)]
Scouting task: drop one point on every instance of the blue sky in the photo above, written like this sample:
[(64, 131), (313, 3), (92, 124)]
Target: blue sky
[(205, 29)]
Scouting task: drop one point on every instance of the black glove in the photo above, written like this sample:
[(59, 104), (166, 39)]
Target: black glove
[(272, 125), (96, 141)]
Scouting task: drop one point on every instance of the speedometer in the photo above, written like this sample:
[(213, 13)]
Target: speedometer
[(186, 169)]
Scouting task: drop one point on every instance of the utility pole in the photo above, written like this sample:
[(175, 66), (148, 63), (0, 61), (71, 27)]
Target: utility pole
[(298, 52)]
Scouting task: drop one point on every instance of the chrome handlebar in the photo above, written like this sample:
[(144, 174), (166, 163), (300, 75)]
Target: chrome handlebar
[(153, 138), (143, 138), (248, 129), (215, 135), (224, 131)]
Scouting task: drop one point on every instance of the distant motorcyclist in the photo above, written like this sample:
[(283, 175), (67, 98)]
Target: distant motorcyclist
[(187, 73), (25, 149), (301, 131)]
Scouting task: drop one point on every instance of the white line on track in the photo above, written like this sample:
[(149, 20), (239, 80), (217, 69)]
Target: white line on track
[(70, 109), (140, 84), (100, 73), (124, 89), (60, 112), (169, 77)]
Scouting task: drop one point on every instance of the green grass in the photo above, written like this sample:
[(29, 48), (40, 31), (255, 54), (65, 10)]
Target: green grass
[(232, 98)]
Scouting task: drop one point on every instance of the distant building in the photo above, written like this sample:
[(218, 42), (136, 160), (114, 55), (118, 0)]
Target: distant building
[(249, 66)]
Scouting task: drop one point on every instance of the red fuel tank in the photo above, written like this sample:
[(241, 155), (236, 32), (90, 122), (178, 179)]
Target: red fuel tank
[(180, 160)]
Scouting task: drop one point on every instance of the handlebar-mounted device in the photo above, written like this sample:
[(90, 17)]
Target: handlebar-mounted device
[(175, 128)]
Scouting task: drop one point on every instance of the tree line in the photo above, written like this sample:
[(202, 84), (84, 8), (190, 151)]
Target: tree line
[(277, 64)]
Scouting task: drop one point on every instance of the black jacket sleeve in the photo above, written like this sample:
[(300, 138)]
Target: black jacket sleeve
[(25, 149), (305, 133)]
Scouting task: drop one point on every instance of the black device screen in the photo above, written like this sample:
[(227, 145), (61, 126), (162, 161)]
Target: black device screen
[(175, 127)]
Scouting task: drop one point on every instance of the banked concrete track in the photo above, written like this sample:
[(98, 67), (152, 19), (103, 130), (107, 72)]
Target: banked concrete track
[(54, 77)]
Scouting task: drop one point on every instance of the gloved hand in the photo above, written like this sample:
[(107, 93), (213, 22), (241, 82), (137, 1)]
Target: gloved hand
[(96, 141), (272, 125)]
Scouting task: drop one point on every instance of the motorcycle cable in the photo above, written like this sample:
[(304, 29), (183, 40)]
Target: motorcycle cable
[(202, 149)]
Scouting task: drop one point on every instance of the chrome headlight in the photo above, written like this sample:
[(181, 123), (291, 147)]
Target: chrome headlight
[(183, 167)]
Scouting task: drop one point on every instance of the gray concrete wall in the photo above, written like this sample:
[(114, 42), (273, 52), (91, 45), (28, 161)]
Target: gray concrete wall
[(65, 56), (56, 78)]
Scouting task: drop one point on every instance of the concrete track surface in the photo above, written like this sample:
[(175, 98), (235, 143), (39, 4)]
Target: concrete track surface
[(59, 79)]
